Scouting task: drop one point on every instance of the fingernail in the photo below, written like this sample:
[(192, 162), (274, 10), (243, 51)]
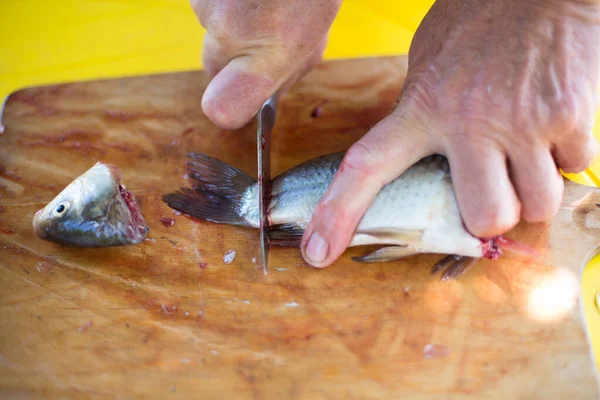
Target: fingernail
[(316, 249)]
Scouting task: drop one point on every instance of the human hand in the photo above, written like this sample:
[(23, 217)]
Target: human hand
[(253, 48), (507, 90)]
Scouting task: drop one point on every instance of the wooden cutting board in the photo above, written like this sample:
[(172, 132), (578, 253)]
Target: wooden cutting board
[(148, 321)]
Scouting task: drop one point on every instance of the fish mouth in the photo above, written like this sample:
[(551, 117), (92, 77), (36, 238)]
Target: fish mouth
[(37, 229)]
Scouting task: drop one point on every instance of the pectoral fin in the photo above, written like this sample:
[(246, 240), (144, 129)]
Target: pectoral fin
[(453, 266), (388, 254), (286, 235)]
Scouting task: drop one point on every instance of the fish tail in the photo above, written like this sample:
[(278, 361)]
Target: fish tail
[(218, 192)]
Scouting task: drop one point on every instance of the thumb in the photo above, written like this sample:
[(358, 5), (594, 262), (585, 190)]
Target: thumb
[(238, 91), (390, 148)]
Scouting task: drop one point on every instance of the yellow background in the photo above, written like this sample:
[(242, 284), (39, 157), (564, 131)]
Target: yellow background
[(48, 42)]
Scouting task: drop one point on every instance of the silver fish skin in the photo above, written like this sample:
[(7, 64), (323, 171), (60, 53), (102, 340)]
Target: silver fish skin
[(418, 208), (94, 210), (415, 213)]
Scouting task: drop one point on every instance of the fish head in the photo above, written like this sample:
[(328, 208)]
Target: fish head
[(94, 210)]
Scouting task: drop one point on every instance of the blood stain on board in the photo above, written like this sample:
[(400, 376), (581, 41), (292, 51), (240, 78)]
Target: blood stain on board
[(168, 222)]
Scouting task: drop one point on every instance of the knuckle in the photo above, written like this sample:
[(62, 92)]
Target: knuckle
[(419, 89), (333, 220), (494, 220), (573, 168), (330, 214), (363, 157), (220, 33), (578, 165), (567, 115), (579, 157), (219, 115), (542, 208)]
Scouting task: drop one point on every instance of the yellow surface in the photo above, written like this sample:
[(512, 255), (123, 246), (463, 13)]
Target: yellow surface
[(45, 42)]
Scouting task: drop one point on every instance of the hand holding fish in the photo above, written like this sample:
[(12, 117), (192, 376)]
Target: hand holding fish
[(507, 90)]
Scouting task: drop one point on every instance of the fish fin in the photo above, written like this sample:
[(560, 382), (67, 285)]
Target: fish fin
[(217, 177), (404, 235), (453, 266), (205, 206), (388, 253), (286, 235), (218, 194)]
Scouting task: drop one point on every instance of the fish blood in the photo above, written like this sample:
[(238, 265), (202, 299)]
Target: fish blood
[(168, 222)]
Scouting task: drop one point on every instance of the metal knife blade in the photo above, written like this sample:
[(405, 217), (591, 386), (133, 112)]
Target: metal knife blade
[(266, 121)]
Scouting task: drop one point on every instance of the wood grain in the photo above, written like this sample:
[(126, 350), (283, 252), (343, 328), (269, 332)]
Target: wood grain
[(151, 321)]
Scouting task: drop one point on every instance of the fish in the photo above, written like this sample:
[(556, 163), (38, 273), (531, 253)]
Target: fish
[(94, 210), (416, 213)]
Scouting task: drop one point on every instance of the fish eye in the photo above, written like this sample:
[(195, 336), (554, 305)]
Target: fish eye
[(61, 209)]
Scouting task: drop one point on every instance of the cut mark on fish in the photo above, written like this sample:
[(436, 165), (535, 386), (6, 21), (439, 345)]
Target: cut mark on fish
[(291, 304)]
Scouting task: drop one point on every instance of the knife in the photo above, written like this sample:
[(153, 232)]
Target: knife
[(266, 120)]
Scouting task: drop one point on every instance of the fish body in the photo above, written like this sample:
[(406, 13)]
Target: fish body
[(415, 213), (418, 208), (94, 210)]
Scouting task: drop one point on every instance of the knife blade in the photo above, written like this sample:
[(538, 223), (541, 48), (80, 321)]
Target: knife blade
[(266, 121)]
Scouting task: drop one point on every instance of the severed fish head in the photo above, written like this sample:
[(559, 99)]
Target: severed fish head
[(94, 210)]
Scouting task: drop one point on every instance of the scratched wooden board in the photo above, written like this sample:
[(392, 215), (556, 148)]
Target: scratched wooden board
[(147, 321)]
